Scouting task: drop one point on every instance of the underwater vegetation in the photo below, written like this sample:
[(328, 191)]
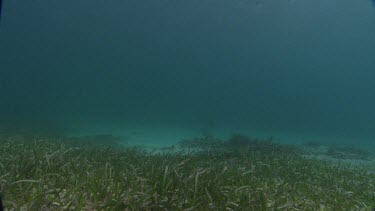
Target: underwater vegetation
[(94, 140), (348, 152), (313, 144), (237, 144), (339, 152), (49, 173)]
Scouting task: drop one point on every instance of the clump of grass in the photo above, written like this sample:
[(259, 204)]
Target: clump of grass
[(244, 143), (313, 144), (94, 140), (203, 143), (236, 144), (46, 174)]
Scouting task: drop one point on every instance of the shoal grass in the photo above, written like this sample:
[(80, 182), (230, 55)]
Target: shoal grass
[(50, 174)]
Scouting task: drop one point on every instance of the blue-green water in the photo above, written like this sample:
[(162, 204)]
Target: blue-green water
[(299, 70)]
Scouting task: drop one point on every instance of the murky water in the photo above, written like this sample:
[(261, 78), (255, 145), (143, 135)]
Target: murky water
[(159, 71)]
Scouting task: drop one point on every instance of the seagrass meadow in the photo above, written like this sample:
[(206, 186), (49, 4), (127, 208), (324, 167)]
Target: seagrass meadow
[(187, 105), (205, 173)]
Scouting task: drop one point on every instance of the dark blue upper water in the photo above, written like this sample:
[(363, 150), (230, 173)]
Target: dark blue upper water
[(292, 66)]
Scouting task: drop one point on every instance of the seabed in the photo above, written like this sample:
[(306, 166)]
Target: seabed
[(201, 172)]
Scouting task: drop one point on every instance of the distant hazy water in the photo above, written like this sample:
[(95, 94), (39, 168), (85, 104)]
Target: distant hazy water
[(283, 67)]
